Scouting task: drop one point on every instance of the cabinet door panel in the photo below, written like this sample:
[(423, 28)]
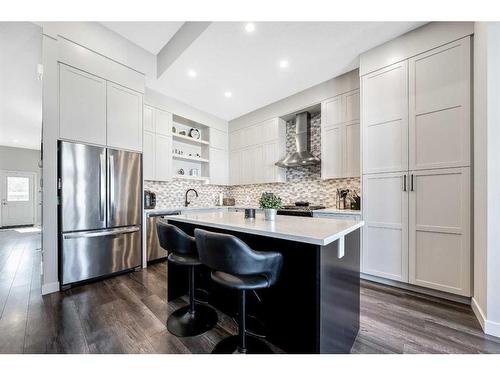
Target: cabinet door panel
[(332, 140), (163, 122), (163, 158), (124, 118), (270, 156), (235, 167), (332, 111), (82, 106), (218, 139), (218, 166), (351, 106), (352, 151), (440, 124), (149, 121), (385, 234), (148, 156), (440, 230), (385, 119), (235, 139)]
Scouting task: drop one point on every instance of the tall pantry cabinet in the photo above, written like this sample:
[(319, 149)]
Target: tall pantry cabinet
[(416, 127)]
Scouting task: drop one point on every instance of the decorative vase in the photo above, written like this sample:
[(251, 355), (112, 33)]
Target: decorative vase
[(270, 214)]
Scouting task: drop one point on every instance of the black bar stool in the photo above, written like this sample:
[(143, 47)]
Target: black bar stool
[(236, 266), (193, 319)]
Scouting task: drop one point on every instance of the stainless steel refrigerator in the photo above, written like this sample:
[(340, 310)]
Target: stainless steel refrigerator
[(100, 192)]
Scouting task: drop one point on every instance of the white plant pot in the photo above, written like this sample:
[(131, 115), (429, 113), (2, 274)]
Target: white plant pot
[(270, 214)]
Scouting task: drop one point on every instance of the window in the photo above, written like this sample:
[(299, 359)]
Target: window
[(18, 189)]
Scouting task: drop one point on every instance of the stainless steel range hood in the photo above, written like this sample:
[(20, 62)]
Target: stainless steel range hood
[(302, 156)]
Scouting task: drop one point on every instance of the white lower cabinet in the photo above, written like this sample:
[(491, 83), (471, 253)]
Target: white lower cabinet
[(439, 236), (385, 234), (417, 228)]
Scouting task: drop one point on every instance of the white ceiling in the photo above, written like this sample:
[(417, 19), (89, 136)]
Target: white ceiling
[(227, 58), (20, 89), (151, 36)]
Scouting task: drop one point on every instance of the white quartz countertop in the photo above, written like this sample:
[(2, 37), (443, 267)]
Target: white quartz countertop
[(317, 231), (335, 210), (167, 210)]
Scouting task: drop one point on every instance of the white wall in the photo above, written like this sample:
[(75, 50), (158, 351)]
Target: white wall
[(300, 100), (172, 105), (23, 160), (486, 300), (104, 41), (480, 167)]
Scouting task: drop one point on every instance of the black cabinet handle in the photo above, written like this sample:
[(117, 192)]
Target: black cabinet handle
[(404, 182), (411, 183)]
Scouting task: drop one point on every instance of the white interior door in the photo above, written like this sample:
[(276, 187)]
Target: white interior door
[(18, 198), (385, 234)]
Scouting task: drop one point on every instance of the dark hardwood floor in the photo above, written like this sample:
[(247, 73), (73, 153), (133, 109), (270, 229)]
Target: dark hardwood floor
[(127, 314)]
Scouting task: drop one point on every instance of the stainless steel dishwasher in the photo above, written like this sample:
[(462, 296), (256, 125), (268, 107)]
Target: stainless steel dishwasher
[(154, 250)]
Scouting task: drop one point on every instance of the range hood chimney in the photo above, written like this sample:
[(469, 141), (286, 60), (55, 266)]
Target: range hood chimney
[(302, 156)]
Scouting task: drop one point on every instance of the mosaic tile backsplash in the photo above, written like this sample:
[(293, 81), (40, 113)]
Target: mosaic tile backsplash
[(303, 183)]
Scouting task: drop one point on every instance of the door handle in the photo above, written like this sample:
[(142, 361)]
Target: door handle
[(101, 233), (404, 182), (411, 182), (111, 212), (102, 186)]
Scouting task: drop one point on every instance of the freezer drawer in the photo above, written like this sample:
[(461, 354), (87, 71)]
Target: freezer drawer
[(86, 255)]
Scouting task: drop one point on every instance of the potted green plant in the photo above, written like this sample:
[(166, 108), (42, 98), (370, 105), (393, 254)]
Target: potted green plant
[(271, 203)]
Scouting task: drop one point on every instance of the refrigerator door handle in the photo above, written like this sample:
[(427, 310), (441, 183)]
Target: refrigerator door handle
[(101, 233), (102, 186), (111, 211)]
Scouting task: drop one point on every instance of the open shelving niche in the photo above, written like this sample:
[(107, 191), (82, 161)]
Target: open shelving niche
[(190, 148)]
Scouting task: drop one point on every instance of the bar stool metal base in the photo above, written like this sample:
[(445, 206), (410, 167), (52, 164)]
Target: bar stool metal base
[(182, 323), (229, 345)]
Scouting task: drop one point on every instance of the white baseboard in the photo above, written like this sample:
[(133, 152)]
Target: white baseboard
[(417, 289), (50, 288), (478, 312), (492, 328)]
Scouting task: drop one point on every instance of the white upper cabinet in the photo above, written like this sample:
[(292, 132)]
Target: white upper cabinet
[(219, 166), (440, 256), (148, 156), (163, 122), (254, 152), (340, 137), (218, 139), (149, 120), (332, 140), (351, 105), (235, 175), (384, 119), (124, 118), (332, 111), (163, 158), (82, 106), (385, 234), (439, 116), (352, 163)]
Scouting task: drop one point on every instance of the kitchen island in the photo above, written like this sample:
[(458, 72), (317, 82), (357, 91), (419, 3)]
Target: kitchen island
[(314, 307)]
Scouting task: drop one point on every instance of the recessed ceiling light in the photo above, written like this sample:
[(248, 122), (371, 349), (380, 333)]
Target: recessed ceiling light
[(192, 73), (283, 63), (228, 94), (250, 27), (15, 140)]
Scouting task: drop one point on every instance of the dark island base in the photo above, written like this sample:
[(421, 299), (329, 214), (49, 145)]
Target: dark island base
[(313, 308)]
